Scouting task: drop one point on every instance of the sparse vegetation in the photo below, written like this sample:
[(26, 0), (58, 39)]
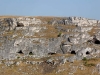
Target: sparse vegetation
[(8, 33), (85, 59), (94, 30), (47, 68), (87, 63), (59, 35), (18, 57), (28, 66), (24, 59)]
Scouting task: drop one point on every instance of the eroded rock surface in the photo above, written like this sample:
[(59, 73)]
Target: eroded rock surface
[(41, 36)]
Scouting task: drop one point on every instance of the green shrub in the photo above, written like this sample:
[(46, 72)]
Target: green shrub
[(84, 59), (86, 63), (59, 34), (89, 64), (18, 57)]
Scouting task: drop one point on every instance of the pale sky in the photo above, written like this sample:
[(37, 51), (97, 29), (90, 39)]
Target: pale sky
[(65, 8)]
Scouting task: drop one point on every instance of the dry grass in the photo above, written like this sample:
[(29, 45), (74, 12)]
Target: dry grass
[(48, 69), (44, 68), (12, 32), (0, 44), (68, 26), (48, 18), (94, 30), (49, 32), (19, 33), (8, 33), (37, 42), (10, 16)]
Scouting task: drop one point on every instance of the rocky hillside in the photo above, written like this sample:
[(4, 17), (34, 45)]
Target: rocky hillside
[(41, 36), (73, 38)]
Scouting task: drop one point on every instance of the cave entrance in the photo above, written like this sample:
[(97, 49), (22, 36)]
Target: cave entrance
[(30, 53), (20, 24), (73, 52), (97, 42), (87, 52), (20, 52)]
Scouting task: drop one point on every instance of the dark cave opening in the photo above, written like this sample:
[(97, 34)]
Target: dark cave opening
[(94, 40), (87, 52), (20, 52), (20, 24), (30, 53), (97, 42), (73, 52)]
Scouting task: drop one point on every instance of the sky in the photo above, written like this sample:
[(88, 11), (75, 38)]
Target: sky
[(61, 8)]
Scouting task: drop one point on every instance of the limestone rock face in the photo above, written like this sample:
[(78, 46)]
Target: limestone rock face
[(40, 36)]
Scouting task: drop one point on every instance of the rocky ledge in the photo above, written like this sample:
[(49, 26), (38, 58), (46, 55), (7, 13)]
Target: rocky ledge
[(44, 36)]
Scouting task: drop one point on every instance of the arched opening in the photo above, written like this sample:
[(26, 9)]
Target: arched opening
[(73, 52), (87, 52), (20, 52)]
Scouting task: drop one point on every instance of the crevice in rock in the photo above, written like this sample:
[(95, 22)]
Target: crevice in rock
[(68, 39), (62, 48), (51, 53), (90, 41)]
